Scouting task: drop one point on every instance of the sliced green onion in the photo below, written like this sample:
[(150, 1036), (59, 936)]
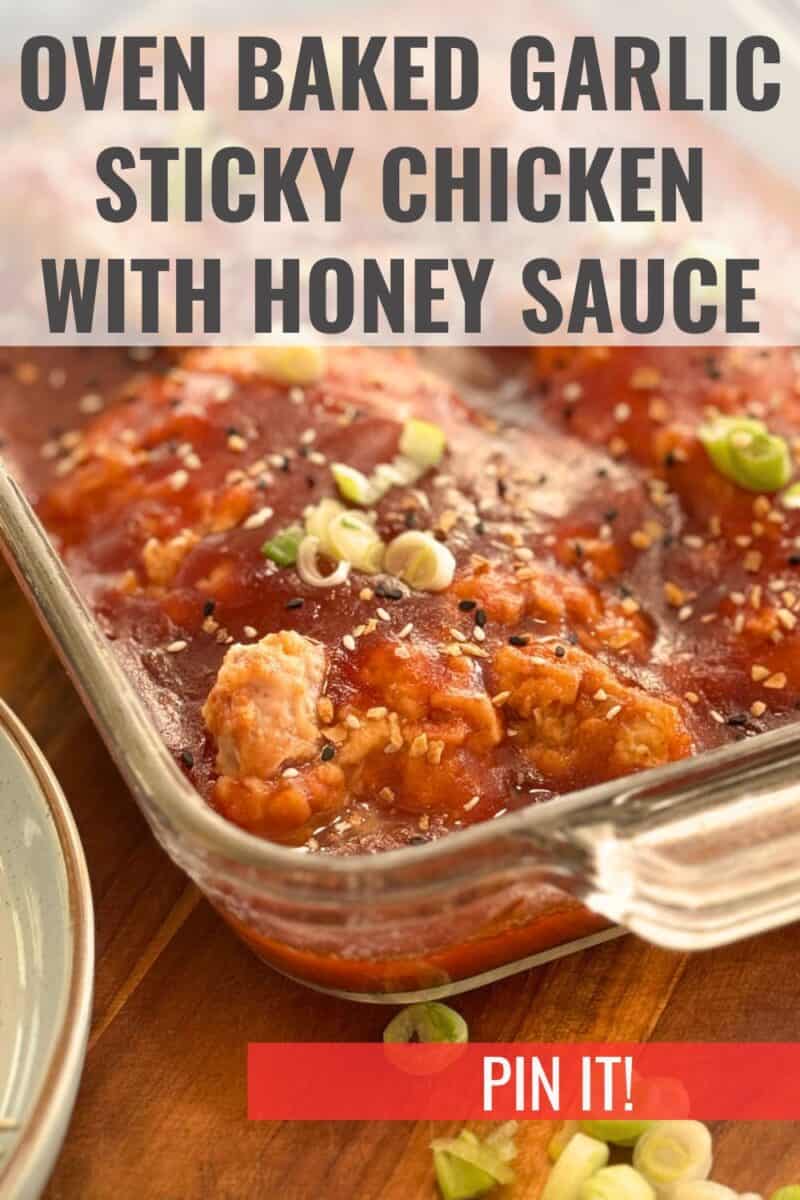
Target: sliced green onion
[(291, 365), (791, 497), (620, 1133), (578, 1161), (703, 1189), (460, 1180), (790, 1192), (353, 485), (420, 560), (431, 1022), (318, 520), (422, 442), (283, 546), (308, 569), (620, 1182), (744, 451), (672, 1152), (486, 1157), (560, 1139), (350, 536)]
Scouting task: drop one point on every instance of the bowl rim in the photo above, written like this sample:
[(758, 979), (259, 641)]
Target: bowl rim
[(41, 1136)]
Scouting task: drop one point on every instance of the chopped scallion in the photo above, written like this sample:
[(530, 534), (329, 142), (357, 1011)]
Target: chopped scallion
[(619, 1182), (422, 442), (353, 485), (672, 1152), (578, 1161), (420, 560), (743, 450), (619, 1133), (283, 546), (460, 1180), (431, 1022)]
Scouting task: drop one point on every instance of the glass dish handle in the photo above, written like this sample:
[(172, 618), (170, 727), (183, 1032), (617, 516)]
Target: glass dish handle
[(700, 859)]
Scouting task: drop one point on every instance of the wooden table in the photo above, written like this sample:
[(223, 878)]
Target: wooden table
[(161, 1110)]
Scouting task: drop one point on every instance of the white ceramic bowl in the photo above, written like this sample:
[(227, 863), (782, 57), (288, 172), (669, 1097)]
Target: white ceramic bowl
[(46, 963)]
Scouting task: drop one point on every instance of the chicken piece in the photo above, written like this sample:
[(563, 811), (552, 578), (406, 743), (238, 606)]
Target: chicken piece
[(277, 808), (579, 722), (262, 710)]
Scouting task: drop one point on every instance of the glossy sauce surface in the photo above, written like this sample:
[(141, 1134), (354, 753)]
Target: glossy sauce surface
[(617, 603)]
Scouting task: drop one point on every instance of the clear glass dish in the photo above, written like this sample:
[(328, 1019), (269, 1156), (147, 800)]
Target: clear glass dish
[(692, 855)]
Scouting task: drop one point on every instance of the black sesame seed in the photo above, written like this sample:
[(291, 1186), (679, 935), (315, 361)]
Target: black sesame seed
[(602, 472), (518, 639), (611, 515), (467, 605), (328, 752), (232, 431), (480, 618), (738, 719), (208, 608), (392, 594), (187, 758), (417, 839), (794, 560), (501, 488), (669, 459), (410, 519), (284, 463), (480, 528), (295, 602), (560, 651)]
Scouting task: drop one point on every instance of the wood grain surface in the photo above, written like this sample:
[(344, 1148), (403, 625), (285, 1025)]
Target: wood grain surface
[(161, 1110)]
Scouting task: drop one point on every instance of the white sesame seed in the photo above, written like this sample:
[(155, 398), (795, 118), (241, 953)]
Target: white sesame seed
[(349, 642), (258, 518), (178, 479), (468, 807), (90, 403), (290, 773), (176, 647), (250, 631), (613, 711), (383, 614)]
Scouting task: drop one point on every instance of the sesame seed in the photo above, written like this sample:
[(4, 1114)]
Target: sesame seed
[(90, 403), (613, 711), (328, 751), (349, 642), (176, 647), (258, 518), (517, 639), (178, 480), (295, 602), (250, 631), (499, 700), (236, 443), (383, 614), (290, 773), (187, 758), (468, 807), (467, 605)]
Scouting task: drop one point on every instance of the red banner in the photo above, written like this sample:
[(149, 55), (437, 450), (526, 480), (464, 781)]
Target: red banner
[(368, 1081)]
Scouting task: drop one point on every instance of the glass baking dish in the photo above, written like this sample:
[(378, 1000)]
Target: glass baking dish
[(692, 855)]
